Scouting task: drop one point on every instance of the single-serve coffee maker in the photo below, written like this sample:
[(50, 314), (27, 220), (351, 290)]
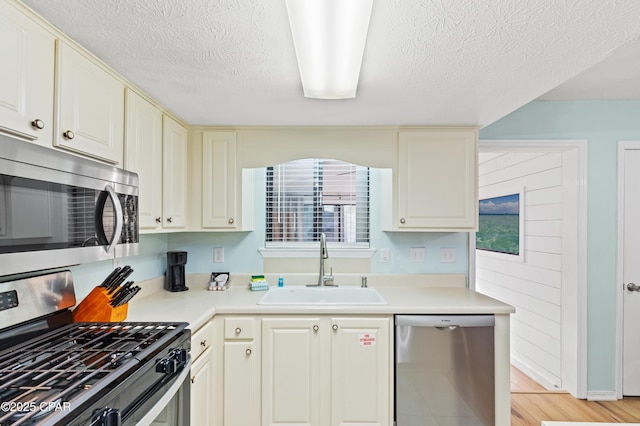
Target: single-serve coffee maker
[(174, 277)]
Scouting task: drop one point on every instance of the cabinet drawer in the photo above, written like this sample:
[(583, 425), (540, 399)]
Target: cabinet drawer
[(238, 328), (201, 340)]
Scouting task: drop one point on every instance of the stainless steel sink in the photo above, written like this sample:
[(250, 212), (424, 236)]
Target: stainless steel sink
[(300, 295)]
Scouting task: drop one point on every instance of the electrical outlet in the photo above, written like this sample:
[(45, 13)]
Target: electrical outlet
[(385, 255), (417, 254), (218, 255), (447, 255)]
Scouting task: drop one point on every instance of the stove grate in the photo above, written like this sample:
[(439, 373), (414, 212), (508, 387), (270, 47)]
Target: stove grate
[(66, 363)]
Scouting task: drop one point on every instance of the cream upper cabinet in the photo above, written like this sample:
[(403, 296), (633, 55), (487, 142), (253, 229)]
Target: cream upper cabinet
[(26, 77), (326, 371), (227, 190), (174, 194), (435, 182), (219, 180), (143, 155), (90, 107)]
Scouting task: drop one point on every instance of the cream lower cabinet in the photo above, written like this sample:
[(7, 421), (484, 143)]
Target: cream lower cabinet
[(360, 371), (435, 183), (326, 371), (236, 390), (201, 392), (294, 381)]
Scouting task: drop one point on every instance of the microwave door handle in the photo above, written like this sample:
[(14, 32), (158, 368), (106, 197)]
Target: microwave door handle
[(117, 209)]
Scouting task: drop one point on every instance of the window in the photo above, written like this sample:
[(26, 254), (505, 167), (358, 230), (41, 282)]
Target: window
[(305, 198)]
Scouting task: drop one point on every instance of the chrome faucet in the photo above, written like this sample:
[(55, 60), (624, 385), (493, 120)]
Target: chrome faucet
[(323, 280)]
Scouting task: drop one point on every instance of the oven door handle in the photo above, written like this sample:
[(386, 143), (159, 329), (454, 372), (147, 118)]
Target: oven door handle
[(155, 411)]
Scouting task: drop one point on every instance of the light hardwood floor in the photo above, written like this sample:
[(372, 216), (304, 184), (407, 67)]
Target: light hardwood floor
[(531, 404)]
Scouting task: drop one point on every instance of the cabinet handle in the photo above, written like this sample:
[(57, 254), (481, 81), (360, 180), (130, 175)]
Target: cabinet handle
[(38, 124), (193, 379), (248, 352), (316, 328), (335, 327), (69, 134), (203, 343), (402, 220), (238, 330), (231, 221), (158, 219), (170, 219)]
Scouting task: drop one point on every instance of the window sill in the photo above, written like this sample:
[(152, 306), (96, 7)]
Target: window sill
[(346, 253)]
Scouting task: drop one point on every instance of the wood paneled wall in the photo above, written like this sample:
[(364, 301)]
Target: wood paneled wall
[(532, 284)]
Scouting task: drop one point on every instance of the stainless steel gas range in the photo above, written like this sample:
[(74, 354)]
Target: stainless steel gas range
[(57, 372)]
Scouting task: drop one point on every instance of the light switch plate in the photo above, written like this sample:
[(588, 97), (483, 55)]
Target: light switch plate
[(218, 255), (447, 255), (417, 254), (385, 255)]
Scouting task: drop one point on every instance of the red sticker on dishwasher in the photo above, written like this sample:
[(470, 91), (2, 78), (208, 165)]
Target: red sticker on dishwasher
[(367, 339)]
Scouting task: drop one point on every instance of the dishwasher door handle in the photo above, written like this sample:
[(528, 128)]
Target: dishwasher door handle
[(447, 327), (446, 321)]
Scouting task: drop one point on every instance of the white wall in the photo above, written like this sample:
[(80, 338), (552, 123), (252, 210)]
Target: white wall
[(532, 284)]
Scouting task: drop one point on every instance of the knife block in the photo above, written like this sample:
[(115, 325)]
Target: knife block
[(96, 308)]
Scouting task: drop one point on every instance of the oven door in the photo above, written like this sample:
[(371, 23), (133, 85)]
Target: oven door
[(174, 406), (156, 394)]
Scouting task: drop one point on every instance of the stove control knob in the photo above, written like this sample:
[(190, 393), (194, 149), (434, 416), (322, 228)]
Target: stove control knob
[(181, 355), (172, 363), (166, 366)]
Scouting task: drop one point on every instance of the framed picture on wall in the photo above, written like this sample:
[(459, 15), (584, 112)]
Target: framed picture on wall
[(501, 226)]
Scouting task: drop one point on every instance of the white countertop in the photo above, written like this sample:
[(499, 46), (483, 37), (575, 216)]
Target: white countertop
[(197, 305)]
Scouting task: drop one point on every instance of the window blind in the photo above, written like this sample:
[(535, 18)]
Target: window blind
[(305, 198)]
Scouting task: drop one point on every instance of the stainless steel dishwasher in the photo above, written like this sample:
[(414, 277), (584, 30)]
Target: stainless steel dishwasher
[(444, 370)]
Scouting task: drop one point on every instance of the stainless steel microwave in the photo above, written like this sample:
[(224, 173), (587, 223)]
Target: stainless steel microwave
[(58, 209)]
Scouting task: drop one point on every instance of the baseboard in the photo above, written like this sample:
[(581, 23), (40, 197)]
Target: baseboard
[(602, 396), (534, 374)]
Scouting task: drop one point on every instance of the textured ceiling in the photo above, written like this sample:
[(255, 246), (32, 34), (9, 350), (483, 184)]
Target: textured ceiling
[(435, 62), (616, 77)]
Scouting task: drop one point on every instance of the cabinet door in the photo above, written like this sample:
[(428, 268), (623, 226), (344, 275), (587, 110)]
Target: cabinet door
[(436, 180), (26, 77), (201, 390), (174, 181), (291, 371), (143, 155), (241, 384), (360, 371), (219, 180), (90, 104)]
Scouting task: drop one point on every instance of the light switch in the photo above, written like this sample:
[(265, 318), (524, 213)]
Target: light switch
[(385, 255), (218, 255), (447, 255), (417, 254)]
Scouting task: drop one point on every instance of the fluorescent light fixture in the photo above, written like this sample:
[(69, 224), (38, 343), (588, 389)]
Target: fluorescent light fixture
[(329, 38)]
